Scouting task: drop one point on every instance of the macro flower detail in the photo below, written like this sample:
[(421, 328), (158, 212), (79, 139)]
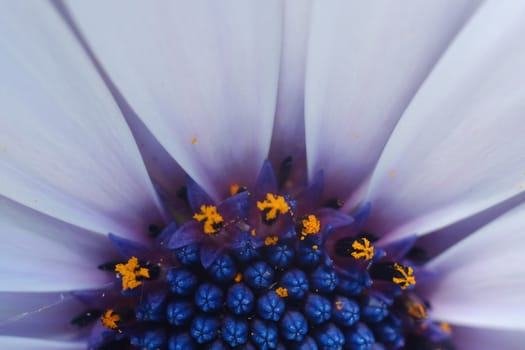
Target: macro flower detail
[(262, 175), (131, 272), (287, 293), (212, 220)]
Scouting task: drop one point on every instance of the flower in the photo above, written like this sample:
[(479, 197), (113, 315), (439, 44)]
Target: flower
[(414, 108)]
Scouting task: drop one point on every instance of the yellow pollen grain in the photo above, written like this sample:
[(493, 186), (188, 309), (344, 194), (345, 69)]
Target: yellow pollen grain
[(339, 305), (193, 140), (210, 217), (407, 278), (253, 232), (131, 272), (238, 277), (315, 247), (275, 204), (311, 225), (282, 292), (392, 173), (416, 310), (445, 327), (362, 249), (271, 240), (110, 319), (234, 189)]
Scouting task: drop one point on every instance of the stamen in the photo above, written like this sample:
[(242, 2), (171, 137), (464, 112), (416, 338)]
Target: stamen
[(272, 206), (362, 249), (236, 189), (416, 310), (271, 240), (445, 327), (403, 276), (238, 277), (310, 226), (130, 273), (212, 219), (110, 319), (282, 292)]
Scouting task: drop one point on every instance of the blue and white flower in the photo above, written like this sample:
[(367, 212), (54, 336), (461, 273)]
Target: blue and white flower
[(410, 115)]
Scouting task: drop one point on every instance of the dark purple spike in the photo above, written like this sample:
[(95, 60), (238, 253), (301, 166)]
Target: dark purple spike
[(361, 214), (189, 233), (309, 199), (396, 250), (166, 234), (266, 181), (128, 248), (234, 208), (197, 196), (208, 254)]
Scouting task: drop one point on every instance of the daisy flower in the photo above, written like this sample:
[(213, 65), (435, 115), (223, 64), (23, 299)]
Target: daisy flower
[(262, 175)]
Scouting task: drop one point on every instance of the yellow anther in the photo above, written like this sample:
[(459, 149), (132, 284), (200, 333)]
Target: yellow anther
[(212, 219), (362, 249), (404, 276), (339, 305), (193, 140), (282, 292), (234, 189), (110, 319), (271, 240), (315, 247), (272, 206), (416, 310), (131, 272), (253, 232), (311, 225), (238, 277), (445, 327)]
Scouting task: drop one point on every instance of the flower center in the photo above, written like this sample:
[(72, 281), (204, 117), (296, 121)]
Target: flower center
[(274, 277)]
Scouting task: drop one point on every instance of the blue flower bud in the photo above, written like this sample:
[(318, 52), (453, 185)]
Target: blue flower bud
[(293, 326), (259, 275), (240, 299), (209, 297)]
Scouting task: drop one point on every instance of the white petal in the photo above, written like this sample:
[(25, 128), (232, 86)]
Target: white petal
[(40, 253), (21, 343), (202, 76), (459, 147), (487, 339), (165, 173), (65, 149), (29, 315), (288, 131), (366, 60), (479, 281)]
